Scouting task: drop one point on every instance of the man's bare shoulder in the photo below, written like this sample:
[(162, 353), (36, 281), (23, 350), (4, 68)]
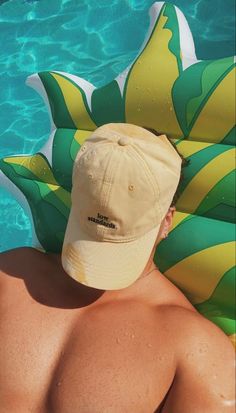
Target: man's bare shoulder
[(195, 329), (205, 338), (205, 372)]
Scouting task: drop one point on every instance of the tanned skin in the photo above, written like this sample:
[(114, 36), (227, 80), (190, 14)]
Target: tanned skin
[(68, 348)]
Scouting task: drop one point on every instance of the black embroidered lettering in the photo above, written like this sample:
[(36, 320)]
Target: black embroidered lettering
[(102, 220), (102, 216)]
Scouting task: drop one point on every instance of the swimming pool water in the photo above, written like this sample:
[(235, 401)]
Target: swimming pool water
[(95, 39)]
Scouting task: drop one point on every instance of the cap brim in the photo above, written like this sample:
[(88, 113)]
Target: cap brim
[(101, 264)]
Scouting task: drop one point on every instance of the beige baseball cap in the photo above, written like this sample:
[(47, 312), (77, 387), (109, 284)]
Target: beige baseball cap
[(124, 179)]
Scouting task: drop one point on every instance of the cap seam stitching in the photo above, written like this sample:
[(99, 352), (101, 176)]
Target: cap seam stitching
[(137, 152), (112, 180), (105, 197)]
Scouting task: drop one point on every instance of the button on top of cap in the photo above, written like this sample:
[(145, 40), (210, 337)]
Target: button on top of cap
[(124, 140)]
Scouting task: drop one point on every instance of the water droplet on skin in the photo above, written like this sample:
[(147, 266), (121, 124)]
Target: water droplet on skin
[(132, 335), (189, 355), (58, 383), (203, 348), (229, 402), (149, 345), (118, 340)]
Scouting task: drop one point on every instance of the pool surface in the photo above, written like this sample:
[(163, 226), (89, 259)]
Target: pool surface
[(95, 39)]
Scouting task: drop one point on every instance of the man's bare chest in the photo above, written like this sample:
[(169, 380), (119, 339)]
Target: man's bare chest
[(105, 359)]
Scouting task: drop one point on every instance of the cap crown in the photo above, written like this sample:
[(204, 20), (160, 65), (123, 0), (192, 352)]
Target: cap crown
[(124, 179)]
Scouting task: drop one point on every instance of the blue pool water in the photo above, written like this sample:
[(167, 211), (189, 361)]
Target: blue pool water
[(95, 39)]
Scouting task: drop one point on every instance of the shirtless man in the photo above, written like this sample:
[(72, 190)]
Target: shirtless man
[(67, 347)]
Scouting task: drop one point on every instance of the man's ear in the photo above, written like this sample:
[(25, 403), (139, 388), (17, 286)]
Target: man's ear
[(167, 223)]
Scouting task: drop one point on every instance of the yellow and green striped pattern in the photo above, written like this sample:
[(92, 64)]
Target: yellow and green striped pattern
[(194, 104)]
